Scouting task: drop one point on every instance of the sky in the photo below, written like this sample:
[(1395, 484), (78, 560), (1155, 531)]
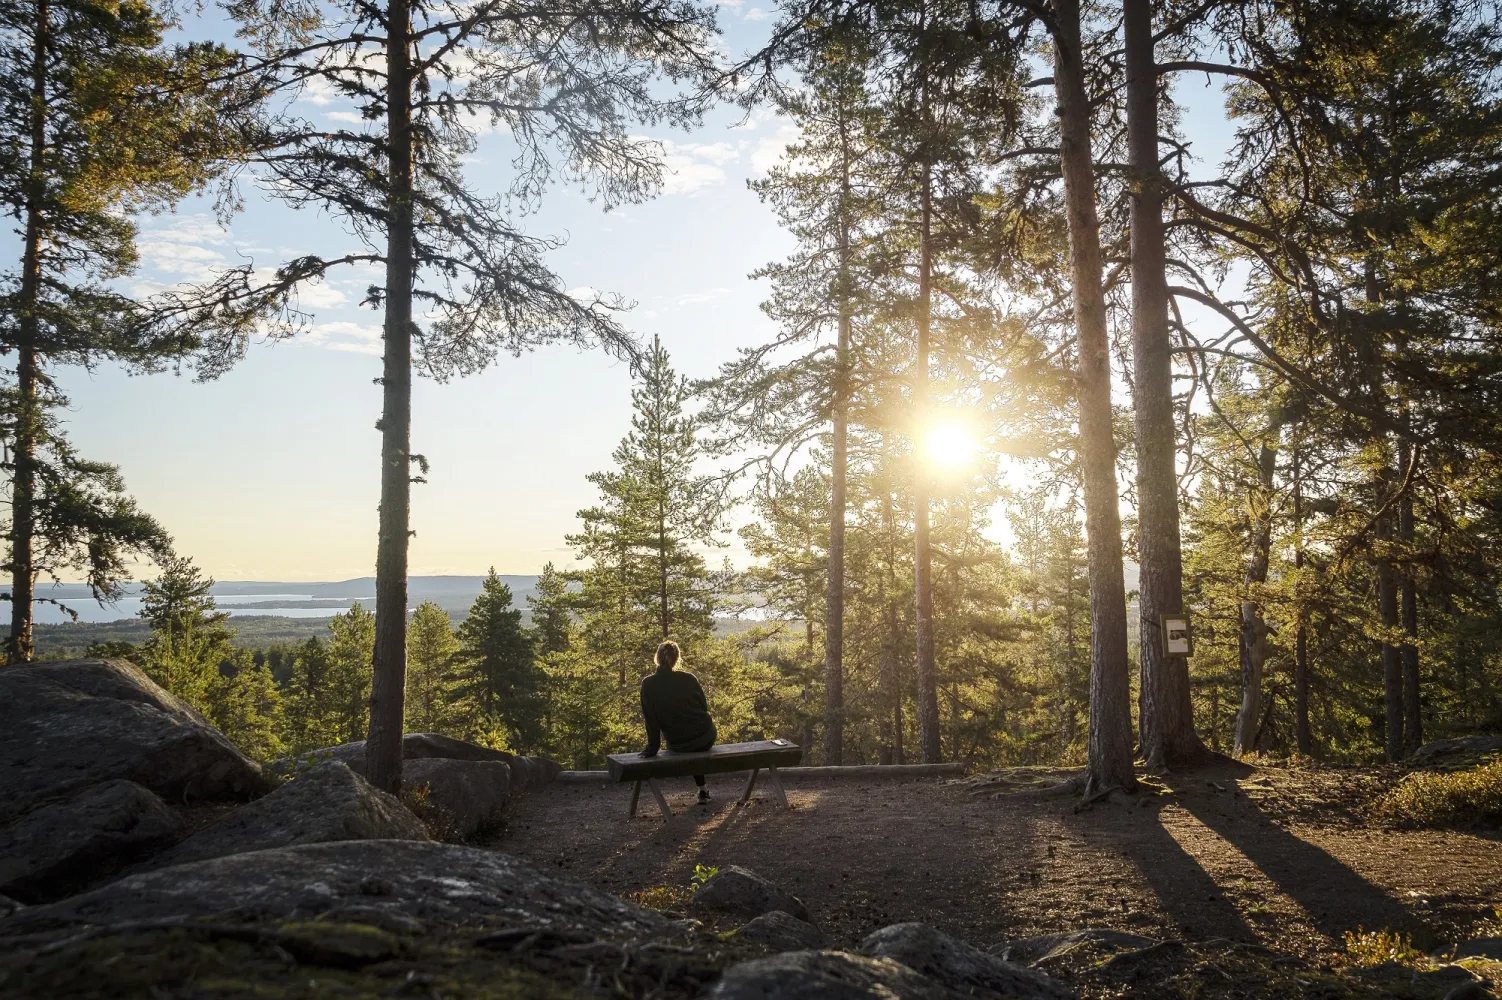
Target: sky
[(270, 471)]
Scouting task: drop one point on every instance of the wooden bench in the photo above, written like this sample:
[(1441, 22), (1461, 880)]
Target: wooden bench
[(766, 755)]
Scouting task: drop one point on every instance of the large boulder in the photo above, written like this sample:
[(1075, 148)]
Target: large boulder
[(531, 774), (742, 894), (63, 845), (460, 799), (958, 965), (777, 931), (1465, 746), (327, 802), (527, 773), (432, 884), (71, 725), (827, 975)]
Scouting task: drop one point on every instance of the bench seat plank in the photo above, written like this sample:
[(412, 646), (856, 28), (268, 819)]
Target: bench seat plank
[(716, 760)]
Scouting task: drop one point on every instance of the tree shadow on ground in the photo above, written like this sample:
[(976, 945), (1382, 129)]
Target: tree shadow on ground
[(1188, 893), (1334, 896)]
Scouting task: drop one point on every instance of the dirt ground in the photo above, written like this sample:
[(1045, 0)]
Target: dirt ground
[(1282, 858)]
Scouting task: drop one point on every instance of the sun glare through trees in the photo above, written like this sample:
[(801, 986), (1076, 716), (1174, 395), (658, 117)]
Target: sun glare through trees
[(1121, 423)]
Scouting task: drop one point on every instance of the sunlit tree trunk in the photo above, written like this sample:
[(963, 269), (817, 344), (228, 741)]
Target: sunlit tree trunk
[(834, 600), (1301, 638), (20, 647), (1167, 719), (383, 753), (1110, 752), (1253, 644), (928, 682), (1413, 724)]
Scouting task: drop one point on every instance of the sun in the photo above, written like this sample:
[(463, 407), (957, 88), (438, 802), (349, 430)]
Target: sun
[(949, 445)]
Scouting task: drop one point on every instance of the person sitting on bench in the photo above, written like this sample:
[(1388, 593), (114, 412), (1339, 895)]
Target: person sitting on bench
[(673, 706)]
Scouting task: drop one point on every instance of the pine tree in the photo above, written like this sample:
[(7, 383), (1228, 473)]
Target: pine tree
[(190, 637), (823, 193), (654, 508), (552, 612), (348, 678), (98, 119), (246, 705), (1110, 752), (431, 672), (310, 711), (565, 80), (501, 681)]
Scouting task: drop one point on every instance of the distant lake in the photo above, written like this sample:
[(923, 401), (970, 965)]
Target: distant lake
[(296, 606), (243, 598)]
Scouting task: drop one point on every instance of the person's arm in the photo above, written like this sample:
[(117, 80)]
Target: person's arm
[(654, 732), (699, 694)]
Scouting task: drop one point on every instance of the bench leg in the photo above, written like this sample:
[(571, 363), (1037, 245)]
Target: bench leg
[(662, 802), (635, 794), (750, 784), (782, 798)]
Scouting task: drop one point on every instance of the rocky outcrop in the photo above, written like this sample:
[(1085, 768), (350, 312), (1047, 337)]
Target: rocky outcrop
[(460, 799), (67, 843), (1489, 948), (742, 894), (433, 884), (959, 966), (531, 774), (1446, 750), (777, 931), (69, 726), (329, 802), (827, 975), (527, 774)]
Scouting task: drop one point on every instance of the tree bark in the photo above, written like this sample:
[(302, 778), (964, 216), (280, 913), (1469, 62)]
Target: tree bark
[(1301, 639), (1254, 629), (1392, 662), (834, 600), (383, 752), (928, 683), (1413, 723), (1167, 719), (1110, 752), (20, 646), (888, 692)]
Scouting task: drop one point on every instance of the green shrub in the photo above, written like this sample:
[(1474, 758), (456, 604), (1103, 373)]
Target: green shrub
[(1459, 798), (1365, 949)]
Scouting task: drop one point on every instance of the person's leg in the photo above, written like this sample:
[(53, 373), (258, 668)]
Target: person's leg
[(699, 780)]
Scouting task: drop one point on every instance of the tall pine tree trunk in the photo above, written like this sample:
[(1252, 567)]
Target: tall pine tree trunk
[(928, 683), (1382, 532), (1392, 662), (1301, 638), (1110, 753), (834, 597), (383, 754), (1253, 627), (20, 647), (1413, 724), (1167, 720)]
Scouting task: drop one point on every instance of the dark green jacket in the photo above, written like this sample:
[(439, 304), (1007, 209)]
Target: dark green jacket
[(674, 707)]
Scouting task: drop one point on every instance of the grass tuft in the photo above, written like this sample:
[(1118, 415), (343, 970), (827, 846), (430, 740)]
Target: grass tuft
[(1366, 949)]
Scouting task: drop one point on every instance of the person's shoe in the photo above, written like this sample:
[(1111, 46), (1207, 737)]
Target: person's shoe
[(703, 796)]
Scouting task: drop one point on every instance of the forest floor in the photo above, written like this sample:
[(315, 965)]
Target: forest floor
[(1285, 858)]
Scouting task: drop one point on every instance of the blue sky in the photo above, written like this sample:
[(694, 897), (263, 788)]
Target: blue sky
[(270, 472)]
